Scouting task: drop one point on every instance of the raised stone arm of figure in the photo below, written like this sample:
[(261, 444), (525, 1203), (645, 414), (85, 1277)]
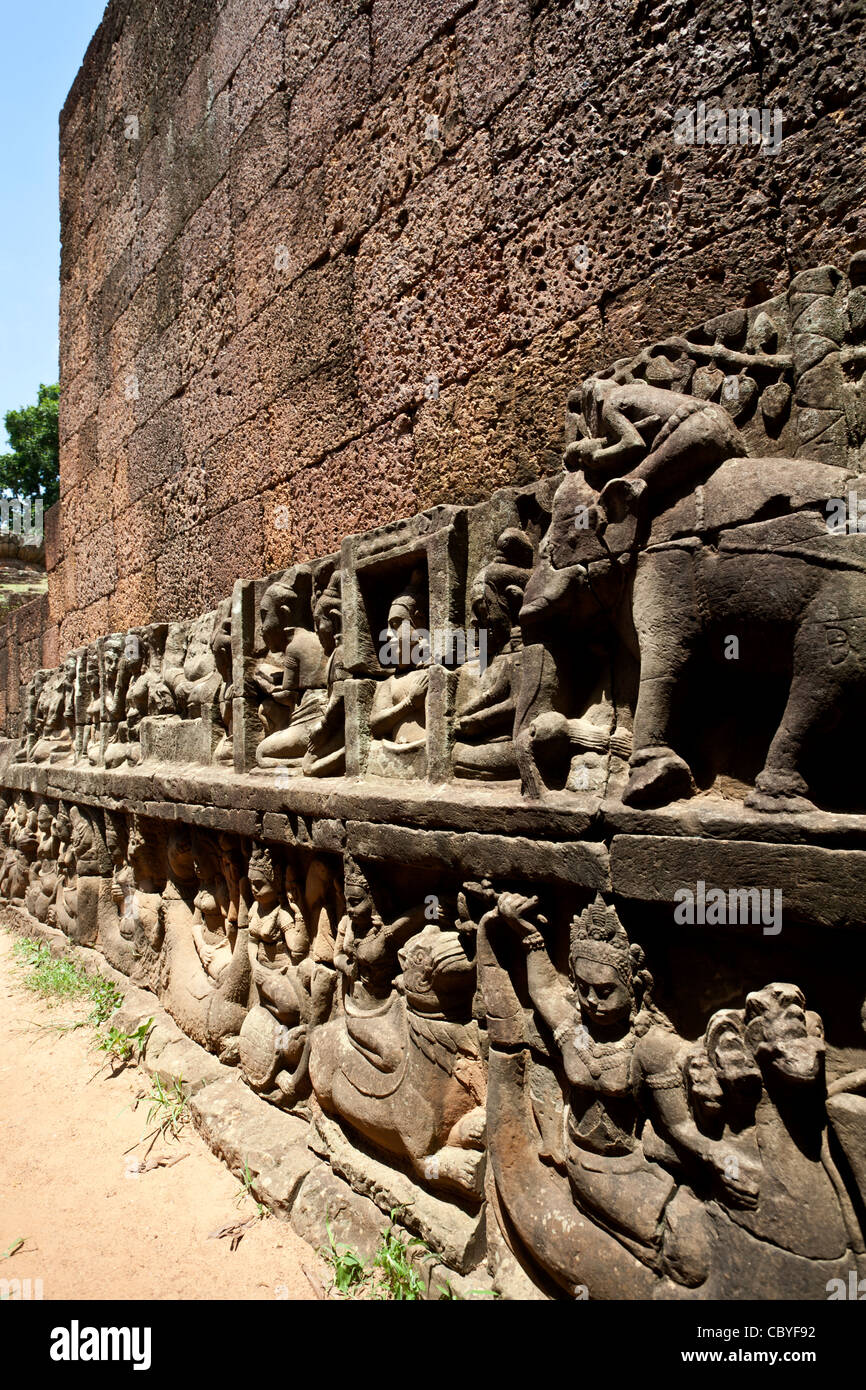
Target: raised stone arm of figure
[(659, 1067), (550, 994)]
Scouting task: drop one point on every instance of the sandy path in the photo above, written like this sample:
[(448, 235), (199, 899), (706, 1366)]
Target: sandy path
[(92, 1230)]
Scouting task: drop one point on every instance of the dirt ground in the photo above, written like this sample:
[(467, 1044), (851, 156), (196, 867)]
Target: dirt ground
[(93, 1227)]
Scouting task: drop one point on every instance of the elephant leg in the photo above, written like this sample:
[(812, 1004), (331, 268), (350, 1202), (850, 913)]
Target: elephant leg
[(667, 621), (815, 690)]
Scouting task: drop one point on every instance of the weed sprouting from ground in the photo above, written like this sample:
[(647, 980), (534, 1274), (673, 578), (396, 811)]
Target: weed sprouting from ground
[(57, 979), (168, 1107), (394, 1274)]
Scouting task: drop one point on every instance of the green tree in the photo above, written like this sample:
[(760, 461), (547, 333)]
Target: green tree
[(33, 467)]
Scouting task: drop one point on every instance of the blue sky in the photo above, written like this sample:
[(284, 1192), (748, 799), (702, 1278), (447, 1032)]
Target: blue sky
[(43, 45)]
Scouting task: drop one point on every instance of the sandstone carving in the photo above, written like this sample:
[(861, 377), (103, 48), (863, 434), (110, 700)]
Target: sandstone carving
[(475, 846)]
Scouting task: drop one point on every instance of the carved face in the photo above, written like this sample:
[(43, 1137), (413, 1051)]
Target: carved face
[(44, 819), (82, 836), (605, 999), (405, 623), (325, 623), (180, 857), (262, 886), (274, 613), (111, 661), (359, 904)]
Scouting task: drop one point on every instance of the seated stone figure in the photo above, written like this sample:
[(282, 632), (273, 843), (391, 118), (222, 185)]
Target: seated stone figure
[(692, 1161), (32, 715), (326, 752), (487, 699), (289, 683), (88, 731), (145, 692), (398, 716), (221, 648), (55, 716), (639, 436), (188, 666)]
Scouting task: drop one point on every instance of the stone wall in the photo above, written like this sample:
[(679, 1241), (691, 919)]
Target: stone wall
[(331, 261), (510, 862)]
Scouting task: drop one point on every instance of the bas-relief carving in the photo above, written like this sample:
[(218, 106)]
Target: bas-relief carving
[(673, 1166), (511, 1045)]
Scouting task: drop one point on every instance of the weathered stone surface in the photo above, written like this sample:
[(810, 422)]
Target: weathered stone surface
[(418, 805), (252, 1137)]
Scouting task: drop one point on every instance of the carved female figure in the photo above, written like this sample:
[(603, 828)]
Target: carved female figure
[(398, 717), (484, 726), (626, 1106), (43, 879), (326, 753), (292, 992)]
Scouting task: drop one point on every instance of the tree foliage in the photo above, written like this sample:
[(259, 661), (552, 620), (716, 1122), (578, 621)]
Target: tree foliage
[(32, 469)]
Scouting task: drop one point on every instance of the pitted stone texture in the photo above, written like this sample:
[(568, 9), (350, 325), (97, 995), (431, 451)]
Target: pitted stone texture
[(254, 1138)]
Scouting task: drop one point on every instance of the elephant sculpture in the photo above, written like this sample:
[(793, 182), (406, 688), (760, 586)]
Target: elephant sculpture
[(663, 580)]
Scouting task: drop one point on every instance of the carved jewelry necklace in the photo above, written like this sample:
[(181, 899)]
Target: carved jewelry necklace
[(600, 1057)]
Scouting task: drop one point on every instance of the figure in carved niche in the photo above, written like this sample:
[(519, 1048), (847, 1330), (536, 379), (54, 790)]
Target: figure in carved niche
[(401, 1064), (188, 666), (487, 698), (289, 683), (42, 889), (326, 751), (677, 1156), (398, 716), (204, 970), (738, 545), (139, 690), (55, 715), (88, 738), (32, 715), (292, 991), (221, 648)]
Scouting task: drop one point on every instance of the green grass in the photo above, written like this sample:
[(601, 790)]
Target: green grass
[(123, 1047), (247, 1191), (349, 1270), (58, 980), (393, 1276), (168, 1108)]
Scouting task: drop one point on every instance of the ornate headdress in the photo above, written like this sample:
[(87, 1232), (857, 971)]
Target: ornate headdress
[(261, 861), (598, 935)]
